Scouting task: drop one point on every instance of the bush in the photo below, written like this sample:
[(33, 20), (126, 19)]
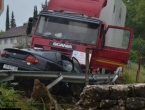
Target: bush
[(138, 45), (133, 56)]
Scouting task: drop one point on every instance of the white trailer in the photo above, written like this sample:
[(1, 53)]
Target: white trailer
[(114, 14)]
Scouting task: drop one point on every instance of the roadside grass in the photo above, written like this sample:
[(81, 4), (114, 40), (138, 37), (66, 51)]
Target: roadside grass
[(129, 74), (9, 98)]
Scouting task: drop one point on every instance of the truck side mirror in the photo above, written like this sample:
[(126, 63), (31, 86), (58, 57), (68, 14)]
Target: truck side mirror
[(29, 26)]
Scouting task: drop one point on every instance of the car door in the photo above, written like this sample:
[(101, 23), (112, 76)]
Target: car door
[(114, 47)]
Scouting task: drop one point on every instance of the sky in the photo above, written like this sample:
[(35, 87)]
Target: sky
[(23, 9)]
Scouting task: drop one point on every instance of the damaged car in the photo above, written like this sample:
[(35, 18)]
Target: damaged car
[(37, 60)]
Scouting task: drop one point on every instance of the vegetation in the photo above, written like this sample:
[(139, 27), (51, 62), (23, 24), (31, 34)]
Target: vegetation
[(1, 32), (13, 21), (9, 98), (129, 75), (135, 19), (23, 42), (35, 14), (44, 7), (7, 19), (10, 23)]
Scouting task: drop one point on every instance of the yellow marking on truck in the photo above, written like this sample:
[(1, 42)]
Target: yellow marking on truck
[(108, 62)]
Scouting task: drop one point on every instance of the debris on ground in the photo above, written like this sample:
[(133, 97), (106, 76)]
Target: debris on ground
[(41, 93)]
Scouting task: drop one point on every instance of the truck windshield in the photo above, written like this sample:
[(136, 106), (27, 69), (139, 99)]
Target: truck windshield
[(68, 29)]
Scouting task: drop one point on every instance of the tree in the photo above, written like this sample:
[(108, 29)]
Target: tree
[(138, 45), (35, 14), (140, 18), (133, 56), (7, 19), (44, 7), (13, 21), (135, 17), (23, 42), (1, 32), (46, 3)]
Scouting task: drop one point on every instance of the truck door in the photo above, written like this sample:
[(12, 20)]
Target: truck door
[(114, 48)]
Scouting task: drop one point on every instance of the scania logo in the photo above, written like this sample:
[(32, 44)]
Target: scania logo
[(62, 45)]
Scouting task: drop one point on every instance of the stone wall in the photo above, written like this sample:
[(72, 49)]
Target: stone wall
[(112, 97)]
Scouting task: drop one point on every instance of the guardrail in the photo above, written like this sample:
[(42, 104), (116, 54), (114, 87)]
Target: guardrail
[(65, 76)]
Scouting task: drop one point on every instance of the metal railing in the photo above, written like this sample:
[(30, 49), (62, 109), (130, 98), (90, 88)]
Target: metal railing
[(6, 75)]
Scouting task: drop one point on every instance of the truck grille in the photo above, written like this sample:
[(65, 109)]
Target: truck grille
[(63, 51)]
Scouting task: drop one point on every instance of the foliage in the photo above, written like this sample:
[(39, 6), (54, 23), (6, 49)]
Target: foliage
[(44, 7), (10, 98), (5, 100), (7, 19), (140, 18), (23, 42), (25, 24), (13, 21), (46, 2), (135, 17), (137, 49), (1, 32), (133, 56), (129, 74), (138, 45), (35, 14)]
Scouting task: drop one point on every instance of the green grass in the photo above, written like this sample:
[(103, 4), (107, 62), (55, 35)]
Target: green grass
[(129, 75), (9, 98)]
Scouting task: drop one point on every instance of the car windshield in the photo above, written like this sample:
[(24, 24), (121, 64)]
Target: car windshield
[(63, 28)]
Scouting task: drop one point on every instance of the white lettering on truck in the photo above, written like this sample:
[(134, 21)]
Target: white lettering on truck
[(62, 45)]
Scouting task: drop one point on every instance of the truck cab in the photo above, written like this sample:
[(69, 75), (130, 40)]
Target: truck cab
[(72, 26)]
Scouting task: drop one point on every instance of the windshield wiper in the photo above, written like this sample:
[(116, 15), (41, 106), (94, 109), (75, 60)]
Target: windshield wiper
[(39, 34), (75, 41), (48, 37), (44, 36), (51, 37), (71, 40), (82, 43)]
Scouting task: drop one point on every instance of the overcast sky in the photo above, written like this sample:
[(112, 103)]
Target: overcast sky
[(23, 9)]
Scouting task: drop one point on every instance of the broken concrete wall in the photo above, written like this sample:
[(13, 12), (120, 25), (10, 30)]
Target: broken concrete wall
[(112, 97)]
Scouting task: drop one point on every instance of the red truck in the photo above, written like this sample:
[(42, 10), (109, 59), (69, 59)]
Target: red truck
[(71, 26)]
